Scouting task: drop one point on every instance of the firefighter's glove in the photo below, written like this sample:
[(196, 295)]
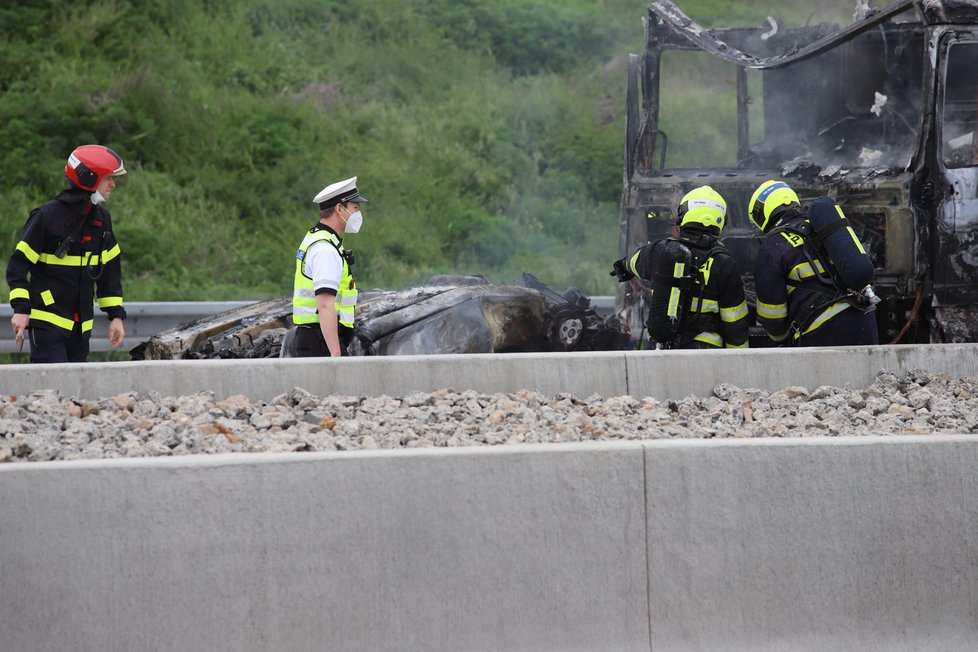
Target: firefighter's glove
[(621, 271)]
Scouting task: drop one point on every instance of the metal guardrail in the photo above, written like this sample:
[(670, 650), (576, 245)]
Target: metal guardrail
[(145, 319)]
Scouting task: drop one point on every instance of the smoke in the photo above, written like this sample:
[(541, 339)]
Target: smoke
[(855, 106)]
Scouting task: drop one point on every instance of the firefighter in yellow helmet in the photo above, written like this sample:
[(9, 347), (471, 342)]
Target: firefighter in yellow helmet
[(66, 261), (697, 297), (811, 291), (325, 294)]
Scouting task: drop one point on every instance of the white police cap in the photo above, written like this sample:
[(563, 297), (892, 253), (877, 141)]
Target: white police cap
[(339, 193)]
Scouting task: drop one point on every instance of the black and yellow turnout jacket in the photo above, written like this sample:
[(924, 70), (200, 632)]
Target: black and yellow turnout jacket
[(62, 290)]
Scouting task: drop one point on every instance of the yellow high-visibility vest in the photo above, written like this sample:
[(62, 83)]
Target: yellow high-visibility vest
[(304, 308)]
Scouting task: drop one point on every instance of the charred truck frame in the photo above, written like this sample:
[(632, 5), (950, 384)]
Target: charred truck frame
[(880, 115)]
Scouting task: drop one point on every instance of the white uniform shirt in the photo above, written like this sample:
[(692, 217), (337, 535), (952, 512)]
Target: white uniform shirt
[(324, 266)]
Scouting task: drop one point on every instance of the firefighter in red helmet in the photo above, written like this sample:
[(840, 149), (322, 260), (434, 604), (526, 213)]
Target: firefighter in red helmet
[(67, 260)]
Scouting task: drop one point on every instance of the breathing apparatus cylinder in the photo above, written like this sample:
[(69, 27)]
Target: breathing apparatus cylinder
[(839, 241), (671, 291)]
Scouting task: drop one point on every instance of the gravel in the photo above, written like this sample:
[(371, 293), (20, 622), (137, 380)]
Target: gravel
[(45, 425)]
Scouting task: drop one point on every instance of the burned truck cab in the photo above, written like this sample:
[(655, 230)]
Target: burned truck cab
[(880, 115)]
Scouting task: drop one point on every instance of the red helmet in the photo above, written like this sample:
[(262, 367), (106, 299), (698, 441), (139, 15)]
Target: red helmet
[(89, 164)]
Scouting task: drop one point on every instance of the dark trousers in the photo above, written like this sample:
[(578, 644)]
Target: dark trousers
[(53, 344), (309, 341), (849, 327)]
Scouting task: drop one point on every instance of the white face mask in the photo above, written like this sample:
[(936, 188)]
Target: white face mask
[(353, 222), (97, 198)]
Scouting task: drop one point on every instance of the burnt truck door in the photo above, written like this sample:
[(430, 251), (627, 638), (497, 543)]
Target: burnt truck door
[(955, 192)]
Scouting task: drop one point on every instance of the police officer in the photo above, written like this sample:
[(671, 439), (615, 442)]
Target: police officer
[(716, 310), (66, 259), (325, 294), (797, 302)]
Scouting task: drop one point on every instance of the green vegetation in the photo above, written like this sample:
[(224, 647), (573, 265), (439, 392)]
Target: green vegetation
[(488, 136)]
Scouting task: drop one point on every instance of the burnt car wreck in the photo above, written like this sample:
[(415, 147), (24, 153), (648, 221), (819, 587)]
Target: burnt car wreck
[(880, 115), (451, 314)]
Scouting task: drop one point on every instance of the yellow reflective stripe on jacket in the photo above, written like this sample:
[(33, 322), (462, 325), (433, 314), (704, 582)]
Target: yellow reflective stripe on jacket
[(68, 261), (826, 315), (89, 258), (799, 272), (852, 234), (804, 270), (675, 294), (109, 302), (26, 249), (58, 320), (47, 297), (736, 313), (51, 318), (709, 305), (633, 261), (728, 345), (673, 309), (110, 254), (772, 310), (20, 293)]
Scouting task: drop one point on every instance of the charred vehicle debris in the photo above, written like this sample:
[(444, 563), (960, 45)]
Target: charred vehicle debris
[(451, 314), (880, 115)]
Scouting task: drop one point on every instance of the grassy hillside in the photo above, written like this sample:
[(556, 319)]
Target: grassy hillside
[(488, 136)]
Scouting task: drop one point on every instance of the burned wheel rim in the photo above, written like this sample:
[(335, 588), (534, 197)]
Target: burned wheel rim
[(567, 325)]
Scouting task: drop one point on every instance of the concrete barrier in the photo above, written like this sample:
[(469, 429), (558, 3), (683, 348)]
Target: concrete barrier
[(660, 374), (579, 374), (807, 544), (535, 548), (858, 543), (676, 374)]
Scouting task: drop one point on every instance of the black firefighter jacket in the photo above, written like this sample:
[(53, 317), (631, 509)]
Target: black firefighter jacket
[(722, 319), (63, 291)]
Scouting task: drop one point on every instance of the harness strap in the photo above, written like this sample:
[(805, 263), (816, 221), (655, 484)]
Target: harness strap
[(822, 235), (702, 249)]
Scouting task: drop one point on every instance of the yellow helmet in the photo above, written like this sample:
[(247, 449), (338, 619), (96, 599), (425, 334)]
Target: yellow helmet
[(769, 196), (703, 206)]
